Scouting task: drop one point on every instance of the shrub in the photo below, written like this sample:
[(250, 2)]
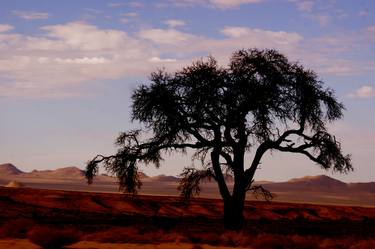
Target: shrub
[(17, 228), (51, 238)]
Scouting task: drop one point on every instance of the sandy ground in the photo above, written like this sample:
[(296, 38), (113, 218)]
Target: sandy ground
[(65, 205), (25, 244), (209, 190)]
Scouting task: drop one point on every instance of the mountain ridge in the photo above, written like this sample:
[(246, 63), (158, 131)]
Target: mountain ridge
[(306, 183)]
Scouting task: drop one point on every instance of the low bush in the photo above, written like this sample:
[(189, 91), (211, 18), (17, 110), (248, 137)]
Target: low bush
[(52, 238)]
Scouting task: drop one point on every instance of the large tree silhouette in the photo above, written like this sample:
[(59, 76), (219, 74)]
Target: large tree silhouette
[(260, 102)]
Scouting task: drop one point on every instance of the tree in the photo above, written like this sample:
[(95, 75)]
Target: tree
[(260, 102)]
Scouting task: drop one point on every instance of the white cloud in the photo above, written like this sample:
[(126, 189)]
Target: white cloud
[(363, 13), (323, 20), (174, 23), (130, 14), (31, 15), (83, 60), (63, 57), (134, 4), (235, 32), (363, 92), (82, 36), (5, 28), (321, 14), (370, 33), (165, 36), (224, 4), (262, 38), (93, 11), (116, 5), (221, 4), (304, 5), (158, 60), (125, 20)]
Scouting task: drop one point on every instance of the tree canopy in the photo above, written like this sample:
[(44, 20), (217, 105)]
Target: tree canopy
[(259, 102)]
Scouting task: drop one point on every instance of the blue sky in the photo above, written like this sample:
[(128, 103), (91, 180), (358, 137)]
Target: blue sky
[(67, 70)]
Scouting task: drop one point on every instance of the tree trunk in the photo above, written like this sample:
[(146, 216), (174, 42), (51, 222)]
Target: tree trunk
[(233, 212)]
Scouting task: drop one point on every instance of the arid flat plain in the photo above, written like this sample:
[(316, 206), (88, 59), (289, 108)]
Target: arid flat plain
[(309, 212)]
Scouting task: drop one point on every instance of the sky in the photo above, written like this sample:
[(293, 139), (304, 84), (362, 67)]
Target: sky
[(68, 69)]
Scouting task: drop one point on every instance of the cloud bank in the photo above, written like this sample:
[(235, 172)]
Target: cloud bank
[(63, 57)]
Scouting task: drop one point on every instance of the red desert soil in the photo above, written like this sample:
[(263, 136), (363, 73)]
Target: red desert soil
[(25, 201), (109, 220)]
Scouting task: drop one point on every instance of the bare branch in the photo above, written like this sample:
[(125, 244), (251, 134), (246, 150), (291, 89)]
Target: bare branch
[(260, 192), (191, 178)]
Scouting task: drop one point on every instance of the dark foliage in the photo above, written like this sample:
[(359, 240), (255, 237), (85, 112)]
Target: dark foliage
[(261, 101)]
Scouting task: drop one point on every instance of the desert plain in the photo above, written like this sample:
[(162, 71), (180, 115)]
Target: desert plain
[(308, 212)]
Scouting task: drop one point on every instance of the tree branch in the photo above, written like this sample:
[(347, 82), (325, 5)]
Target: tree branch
[(215, 159), (301, 150), (227, 158)]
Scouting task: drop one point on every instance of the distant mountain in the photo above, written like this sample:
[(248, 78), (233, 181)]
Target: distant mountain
[(163, 178), (8, 169), (309, 183), (66, 172), (360, 186), (319, 183), (320, 180), (69, 171)]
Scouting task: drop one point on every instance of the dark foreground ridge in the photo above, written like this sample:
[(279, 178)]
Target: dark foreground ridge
[(90, 211)]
